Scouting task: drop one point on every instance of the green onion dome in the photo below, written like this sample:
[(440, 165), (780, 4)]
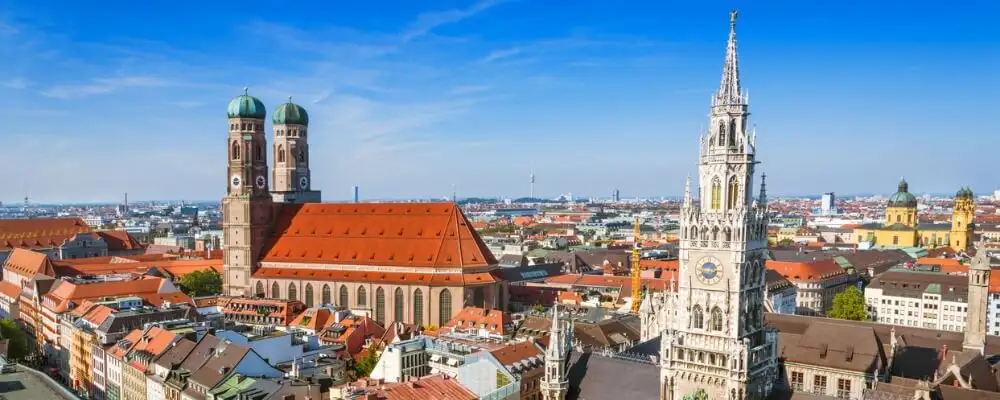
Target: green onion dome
[(247, 106), (290, 114)]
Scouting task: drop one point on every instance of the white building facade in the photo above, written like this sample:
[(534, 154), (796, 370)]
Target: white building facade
[(919, 299)]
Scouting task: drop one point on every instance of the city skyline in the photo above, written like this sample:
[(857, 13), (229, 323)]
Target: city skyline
[(138, 106)]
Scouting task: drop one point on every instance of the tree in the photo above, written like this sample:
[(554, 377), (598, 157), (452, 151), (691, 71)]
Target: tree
[(202, 283), (17, 342), (697, 395), (366, 364), (849, 304)]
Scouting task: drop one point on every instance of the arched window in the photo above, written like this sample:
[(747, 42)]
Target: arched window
[(343, 297), (716, 193), (380, 306), (479, 297), (302, 155), (732, 134), (291, 292), (697, 317), (722, 134), (309, 295), (734, 192), (257, 153), (716, 319), (418, 307), (444, 305), (275, 291), (362, 296), (898, 218), (397, 303), (326, 294), (260, 289), (281, 153), (236, 150)]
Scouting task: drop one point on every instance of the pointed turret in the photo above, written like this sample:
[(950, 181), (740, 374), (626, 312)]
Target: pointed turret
[(687, 192), (730, 91), (555, 383), (762, 199)]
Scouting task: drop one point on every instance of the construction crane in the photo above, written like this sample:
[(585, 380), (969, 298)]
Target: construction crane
[(636, 254)]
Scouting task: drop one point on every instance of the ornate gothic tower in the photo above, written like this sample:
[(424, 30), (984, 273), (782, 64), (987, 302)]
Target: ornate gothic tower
[(555, 383), (979, 286), (246, 208), (716, 341), (292, 180), (962, 217)]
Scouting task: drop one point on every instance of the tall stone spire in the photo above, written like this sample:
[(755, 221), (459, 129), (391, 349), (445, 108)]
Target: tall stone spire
[(555, 383), (730, 91)]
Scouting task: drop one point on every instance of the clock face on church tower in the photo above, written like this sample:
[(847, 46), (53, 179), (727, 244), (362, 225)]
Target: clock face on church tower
[(708, 270), (303, 182), (236, 181), (261, 181)]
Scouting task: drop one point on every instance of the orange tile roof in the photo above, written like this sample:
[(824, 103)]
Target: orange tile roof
[(154, 341), (13, 292), (623, 282), (995, 283), (437, 387), (284, 309), (65, 293), (669, 265), (127, 343), (96, 315), (947, 265), (39, 233), (115, 259), (313, 318), (473, 317), (435, 235), (119, 240), (512, 353), (27, 263), (571, 297), (176, 268), (430, 279), (813, 271)]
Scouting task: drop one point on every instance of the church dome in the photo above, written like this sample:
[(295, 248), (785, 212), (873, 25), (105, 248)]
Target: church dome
[(247, 106), (290, 114), (964, 193), (902, 197)]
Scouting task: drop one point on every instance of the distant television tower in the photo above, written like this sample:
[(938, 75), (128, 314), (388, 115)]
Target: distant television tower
[(531, 181), (454, 194)]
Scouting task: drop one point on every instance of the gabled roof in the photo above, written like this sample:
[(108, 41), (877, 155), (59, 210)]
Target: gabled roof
[(27, 263), (813, 271), (119, 240), (434, 235), (39, 233)]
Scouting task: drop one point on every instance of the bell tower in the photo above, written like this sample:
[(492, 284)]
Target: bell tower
[(292, 178), (716, 343), (247, 206), (962, 220)]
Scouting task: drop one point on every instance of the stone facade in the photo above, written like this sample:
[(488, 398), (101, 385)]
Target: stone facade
[(714, 341)]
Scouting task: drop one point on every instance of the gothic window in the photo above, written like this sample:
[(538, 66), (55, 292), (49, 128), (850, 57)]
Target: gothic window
[(291, 292), (697, 318), (734, 192), (444, 305), (326, 294), (309, 295), (478, 297), (343, 296), (716, 193), (722, 134), (716, 319), (418, 307), (236, 150), (275, 291), (260, 289), (732, 134), (302, 155), (397, 303), (243, 126), (281, 153), (362, 296), (380, 306), (257, 153)]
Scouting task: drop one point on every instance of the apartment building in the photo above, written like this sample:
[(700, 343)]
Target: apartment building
[(780, 296), (816, 282), (920, 299)]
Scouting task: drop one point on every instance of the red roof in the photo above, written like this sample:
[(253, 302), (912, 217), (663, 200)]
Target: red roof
[(119, 240), (39, 233), (431, 279), (434, 235), (475, 317), (27, 263), (812, 271), (947, 265)]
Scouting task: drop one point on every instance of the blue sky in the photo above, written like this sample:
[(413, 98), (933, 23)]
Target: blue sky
[(409, 98)]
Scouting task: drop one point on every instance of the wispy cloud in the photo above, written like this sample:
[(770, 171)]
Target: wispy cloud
[(16, 83), (426, 22), (468, 89), (103, 86), (496, 55)]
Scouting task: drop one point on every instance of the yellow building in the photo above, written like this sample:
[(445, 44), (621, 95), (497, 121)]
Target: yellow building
[(902, 229), (81, 359)]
